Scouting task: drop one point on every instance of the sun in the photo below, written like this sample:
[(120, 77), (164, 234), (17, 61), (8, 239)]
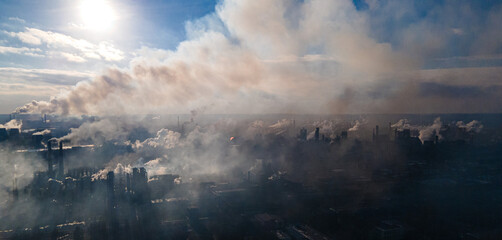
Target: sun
[(97, 14)]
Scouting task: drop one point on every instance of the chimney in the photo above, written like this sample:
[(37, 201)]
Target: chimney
[(49, 157), (128, 182), (376, 131), (110, 190), (61, 161), (316, 136)]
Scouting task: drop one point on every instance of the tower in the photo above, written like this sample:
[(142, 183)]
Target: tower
[(316, 135), (61, 161), (49, 158)]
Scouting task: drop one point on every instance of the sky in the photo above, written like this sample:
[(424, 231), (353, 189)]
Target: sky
[(107, 57)]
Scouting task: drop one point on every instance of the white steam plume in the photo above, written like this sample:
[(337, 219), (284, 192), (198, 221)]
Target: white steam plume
[(43, 132), (358, 125), (473, 126), (430, 132), (14, 123), (403, 124)]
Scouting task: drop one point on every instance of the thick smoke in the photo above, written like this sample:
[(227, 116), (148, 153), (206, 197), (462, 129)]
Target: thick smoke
[(256, 128), (16, 171), (99, 131), (43, 132), (329, 128), (202, 151), (199, 150), (260, 54), (358, 125), (118, 169), (473, 126), (14, 123), (430, 132), (164, 140), (281, 126), (402, 124), (426, 133)]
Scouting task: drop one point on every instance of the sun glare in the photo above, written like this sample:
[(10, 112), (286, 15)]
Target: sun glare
[(97, 14)]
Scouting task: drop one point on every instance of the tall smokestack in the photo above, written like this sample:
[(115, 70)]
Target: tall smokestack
[(49, 157), (316, 136), (61, 161), (110, 190), (376, 131), (128, 182), (390, 130)]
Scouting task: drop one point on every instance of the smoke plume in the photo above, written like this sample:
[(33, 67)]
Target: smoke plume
[(473, 126), (14, 123), (43, 132), (357, 125), (260, 64), (430, 132)]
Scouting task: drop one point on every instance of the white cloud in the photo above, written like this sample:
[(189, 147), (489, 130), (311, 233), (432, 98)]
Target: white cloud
[(16, 19), (73, 58), (47, 71), (11, 75), (25, 37), (34, 52), (40, 90), (84, 49)]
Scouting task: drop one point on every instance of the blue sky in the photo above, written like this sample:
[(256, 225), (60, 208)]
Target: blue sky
[(47, 47), (154, 24)]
